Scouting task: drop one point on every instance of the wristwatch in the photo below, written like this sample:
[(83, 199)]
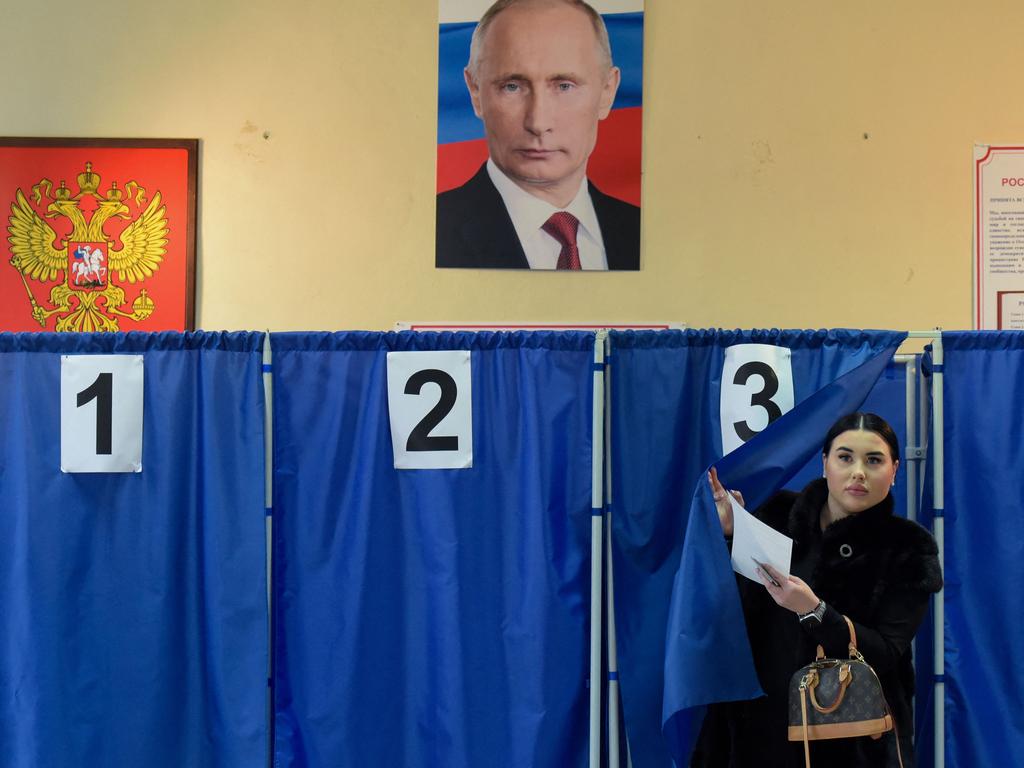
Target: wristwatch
[(818, 614)]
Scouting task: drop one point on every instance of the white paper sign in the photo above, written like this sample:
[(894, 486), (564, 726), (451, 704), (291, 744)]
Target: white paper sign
[(757, 388), (430, 404), (1010, 306), (755, 542), (101, 413), (998, 237)]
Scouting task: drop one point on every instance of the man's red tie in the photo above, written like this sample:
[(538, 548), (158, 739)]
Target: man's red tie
[(562, 226)]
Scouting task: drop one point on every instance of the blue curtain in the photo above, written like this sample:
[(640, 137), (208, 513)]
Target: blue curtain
[(432, 617), (984, 547), (134, 605), (665, 433)]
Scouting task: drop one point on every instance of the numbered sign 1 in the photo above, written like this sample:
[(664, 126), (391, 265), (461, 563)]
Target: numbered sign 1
[(430, 403), (757, 388), (101, 413)]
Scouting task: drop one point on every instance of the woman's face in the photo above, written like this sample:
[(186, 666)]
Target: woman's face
[(859, 470)]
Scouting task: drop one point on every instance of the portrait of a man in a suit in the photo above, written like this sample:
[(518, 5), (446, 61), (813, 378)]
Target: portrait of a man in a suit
[(540, 76)]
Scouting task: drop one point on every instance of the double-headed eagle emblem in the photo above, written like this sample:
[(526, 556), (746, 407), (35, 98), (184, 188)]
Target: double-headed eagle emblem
[(87, 299)]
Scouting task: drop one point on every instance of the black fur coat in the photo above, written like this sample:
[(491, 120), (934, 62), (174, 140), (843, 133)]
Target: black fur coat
[(874, 567)]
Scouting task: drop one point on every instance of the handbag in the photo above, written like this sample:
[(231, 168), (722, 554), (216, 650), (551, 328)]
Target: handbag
[(837, 699)]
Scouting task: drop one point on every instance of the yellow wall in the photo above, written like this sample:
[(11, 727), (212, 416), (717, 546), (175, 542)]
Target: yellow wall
[(807, 163)]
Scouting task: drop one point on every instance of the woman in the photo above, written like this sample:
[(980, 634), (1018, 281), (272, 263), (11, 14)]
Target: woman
[(853, 557)]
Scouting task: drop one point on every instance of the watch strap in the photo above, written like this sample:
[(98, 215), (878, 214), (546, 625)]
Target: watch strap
[(818, 612)]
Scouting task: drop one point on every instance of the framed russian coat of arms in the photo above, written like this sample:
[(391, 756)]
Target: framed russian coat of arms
[(100, 234)]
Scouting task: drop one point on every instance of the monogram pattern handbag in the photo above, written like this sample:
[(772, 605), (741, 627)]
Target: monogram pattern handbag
[(836, 699)]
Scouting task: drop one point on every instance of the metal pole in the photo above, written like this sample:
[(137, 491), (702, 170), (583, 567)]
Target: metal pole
[(924, 420), (268, 503), (613, 664), (596, 548), (938, 498), (914, 454), (613, 660), (938, 490)]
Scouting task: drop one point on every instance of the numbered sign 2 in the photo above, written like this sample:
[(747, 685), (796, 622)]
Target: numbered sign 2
[(430, 402), (101, 413), (757, 388)]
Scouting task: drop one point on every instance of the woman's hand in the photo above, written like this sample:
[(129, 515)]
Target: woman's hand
[(722, 501), (792, 592)]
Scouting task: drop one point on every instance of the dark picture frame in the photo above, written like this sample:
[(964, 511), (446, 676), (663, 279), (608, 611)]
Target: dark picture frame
[(99, 234)]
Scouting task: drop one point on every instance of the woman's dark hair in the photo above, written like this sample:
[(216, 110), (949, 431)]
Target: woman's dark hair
[(871, 422)]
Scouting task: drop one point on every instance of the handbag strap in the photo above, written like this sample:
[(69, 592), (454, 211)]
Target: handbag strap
[(854, 653), (844, 680), (803, 712), (896, 735)]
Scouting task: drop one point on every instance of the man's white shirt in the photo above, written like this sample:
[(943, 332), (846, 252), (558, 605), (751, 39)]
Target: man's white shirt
[(528, 214)]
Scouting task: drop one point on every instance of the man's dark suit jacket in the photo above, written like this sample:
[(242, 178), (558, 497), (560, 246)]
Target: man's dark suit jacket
[(475, 230)]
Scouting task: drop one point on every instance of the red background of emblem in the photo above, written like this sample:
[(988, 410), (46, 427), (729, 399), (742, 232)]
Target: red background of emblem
[(157, 169)]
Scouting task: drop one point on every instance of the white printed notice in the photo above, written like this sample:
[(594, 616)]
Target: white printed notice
[(754, 542), (998, 237)]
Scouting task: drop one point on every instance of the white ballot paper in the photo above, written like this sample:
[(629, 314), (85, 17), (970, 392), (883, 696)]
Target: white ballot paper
[(754, 542)]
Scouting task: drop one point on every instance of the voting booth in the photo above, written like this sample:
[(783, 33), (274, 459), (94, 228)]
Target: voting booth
[(132, 555), (483, 545)]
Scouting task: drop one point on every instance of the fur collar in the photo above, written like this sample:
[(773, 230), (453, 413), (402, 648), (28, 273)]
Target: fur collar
[(805, 515), (901, 551)]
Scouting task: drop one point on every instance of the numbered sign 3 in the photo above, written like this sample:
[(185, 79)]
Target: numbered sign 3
[(430, 402), (101, 413), (757, 388)]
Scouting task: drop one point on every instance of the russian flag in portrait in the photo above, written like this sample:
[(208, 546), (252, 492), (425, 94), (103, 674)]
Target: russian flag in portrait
[(461, 148)]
